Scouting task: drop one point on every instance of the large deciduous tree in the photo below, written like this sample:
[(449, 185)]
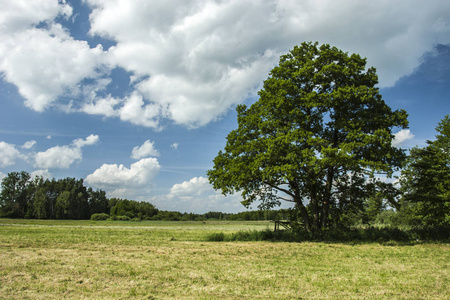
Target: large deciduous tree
[(425, 181), (317, 135)]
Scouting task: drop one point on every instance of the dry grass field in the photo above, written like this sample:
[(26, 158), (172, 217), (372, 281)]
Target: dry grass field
[(173, 260)]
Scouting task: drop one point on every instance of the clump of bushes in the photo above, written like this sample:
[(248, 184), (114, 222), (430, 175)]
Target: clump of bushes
[(99, 217)]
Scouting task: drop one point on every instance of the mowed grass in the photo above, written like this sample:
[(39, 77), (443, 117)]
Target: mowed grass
[(172, 260)]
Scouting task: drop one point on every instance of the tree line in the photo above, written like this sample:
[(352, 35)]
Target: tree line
[(25, 197), (37, 198)]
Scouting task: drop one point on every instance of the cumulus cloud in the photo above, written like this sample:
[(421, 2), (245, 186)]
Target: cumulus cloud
[(58, 157), (198, 196), (102, 106), (47, 64), (21, 14), (8, 154), (202, 59), (190, 63), (136, 110), (145, 150), (121, 181), (64, 156), (174, 146), (41, 173), (401, 137), (194, 187)]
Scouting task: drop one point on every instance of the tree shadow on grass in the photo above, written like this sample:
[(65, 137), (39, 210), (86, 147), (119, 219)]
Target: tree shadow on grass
[(386, 236)]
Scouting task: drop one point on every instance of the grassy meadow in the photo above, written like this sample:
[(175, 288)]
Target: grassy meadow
[(173, 260)]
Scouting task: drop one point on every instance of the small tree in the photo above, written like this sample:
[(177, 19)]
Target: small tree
[(316, 136), (425, 181)]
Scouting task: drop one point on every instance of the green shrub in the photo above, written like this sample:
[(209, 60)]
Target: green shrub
[(99, 217), (122, 218), (216, 237)]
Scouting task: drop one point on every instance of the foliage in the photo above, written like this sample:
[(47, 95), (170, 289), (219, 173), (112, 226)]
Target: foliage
[(425, 181), (122, 218), (15, 196), (99, 217), (316, 136), (23, 197), (132, 209), (68, 198)]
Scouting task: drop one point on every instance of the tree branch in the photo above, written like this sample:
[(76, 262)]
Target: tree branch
[(280, 189)]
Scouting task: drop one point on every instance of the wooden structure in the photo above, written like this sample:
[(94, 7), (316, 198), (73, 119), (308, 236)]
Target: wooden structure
[(284, 224)]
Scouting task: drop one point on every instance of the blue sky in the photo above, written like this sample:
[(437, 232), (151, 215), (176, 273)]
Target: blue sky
[(137, 97)]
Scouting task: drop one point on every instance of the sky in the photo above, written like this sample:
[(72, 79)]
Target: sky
[(136, 97)]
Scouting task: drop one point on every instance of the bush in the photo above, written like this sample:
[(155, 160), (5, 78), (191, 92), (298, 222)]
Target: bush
[(122, 218), (99, 217), (216, 237)]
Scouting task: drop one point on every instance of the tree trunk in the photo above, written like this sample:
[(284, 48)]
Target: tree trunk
[(305, 217), (327, 198)]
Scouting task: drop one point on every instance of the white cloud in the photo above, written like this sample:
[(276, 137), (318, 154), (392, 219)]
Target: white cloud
[(140, 112), (202, 59), (401, 137), (47, 64), (174, 146), (42, 173), (29, 144), (191, 62), (198, 196), (194, 187), (145, 150), (64, 156), (58, 157), (18, 15), (8, 154), (102, 106), (120, 181), (90, 140)]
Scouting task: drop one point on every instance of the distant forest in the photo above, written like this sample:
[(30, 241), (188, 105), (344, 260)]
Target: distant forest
[(37, 198), (22, 196)]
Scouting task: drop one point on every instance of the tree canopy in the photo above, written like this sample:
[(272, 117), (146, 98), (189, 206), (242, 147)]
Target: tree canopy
[(317, 135), (425, 181)]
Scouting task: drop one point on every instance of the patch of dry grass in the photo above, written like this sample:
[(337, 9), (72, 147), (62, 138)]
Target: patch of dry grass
[(54, 262)]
